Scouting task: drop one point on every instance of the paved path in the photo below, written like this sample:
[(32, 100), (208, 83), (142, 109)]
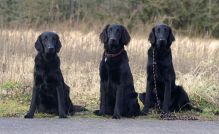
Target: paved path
[(105, 126)]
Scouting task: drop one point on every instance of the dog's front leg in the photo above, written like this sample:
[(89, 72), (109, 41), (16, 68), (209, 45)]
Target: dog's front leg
[(147, 101), (32, 109), (61, 101), (102, 98), (119, 102), (167, 96)]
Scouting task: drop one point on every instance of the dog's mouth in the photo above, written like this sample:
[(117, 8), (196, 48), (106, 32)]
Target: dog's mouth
[(50, 53), (49, 56), (114, 48), (161, 43)]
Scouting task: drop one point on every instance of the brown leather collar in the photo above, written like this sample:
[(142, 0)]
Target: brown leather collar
[(107, 55)]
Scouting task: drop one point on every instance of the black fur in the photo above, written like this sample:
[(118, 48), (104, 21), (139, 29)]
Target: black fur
[(50, 93), (117, 93), (171, 96)]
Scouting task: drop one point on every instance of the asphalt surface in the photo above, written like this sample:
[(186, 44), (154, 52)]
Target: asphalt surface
[(105, 126)]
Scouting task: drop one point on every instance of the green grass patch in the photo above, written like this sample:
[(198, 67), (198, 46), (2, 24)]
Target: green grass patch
[(10, 85), (12, 108), (18, 108), (16, 104), (205, 105)]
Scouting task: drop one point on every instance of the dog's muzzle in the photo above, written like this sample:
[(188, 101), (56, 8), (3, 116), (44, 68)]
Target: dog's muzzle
[(161, 42)]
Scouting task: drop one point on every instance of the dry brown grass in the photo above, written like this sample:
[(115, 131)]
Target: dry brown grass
[(197, 70)]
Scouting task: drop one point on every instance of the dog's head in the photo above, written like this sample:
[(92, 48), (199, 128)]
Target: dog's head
[(161, 36), (48, 43), (114, 37)]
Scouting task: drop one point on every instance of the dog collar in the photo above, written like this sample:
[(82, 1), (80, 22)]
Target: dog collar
[(107, 55)]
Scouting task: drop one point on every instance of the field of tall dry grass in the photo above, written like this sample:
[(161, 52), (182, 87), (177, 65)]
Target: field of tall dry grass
[(195, 60)]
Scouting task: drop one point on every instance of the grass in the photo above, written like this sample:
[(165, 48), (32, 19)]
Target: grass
[(196, 65)]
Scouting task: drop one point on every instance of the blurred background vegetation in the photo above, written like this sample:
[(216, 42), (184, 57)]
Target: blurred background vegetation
[(187, 16), (79, 22)]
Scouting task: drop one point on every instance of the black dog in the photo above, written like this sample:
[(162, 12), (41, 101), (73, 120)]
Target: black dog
[(117, 93), (50, 93), (170, 96)]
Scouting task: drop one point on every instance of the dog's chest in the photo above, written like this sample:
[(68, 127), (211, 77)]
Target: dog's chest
[(48, 90), (50, 84), (113, 81), (160, 69), (113, 75), (49, 76), (160, 73)]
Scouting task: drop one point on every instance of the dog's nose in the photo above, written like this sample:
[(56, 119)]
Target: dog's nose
[(51, 49), (162, 41), (113, 40)]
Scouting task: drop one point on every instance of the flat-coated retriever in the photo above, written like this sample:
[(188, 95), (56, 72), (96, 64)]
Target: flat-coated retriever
[(170, 96), (50, 93), (117, 93)]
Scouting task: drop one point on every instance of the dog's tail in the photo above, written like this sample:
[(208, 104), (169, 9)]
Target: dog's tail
[(97, 112), (196, 109), (78, 108), (188, 105)]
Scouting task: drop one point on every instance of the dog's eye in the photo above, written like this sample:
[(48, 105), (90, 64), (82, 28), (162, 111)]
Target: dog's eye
[(158, 30), (117, 30), (110, 30), (165, 29), (46, 39)]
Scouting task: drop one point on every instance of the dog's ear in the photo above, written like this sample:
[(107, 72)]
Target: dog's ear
[(103, 35), (38, 44), (125, 37), (152, 37), (58, 45), (171, 38)]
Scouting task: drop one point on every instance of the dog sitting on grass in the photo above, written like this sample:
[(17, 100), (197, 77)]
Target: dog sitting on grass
[(50, 93), (168, 96), (117, 93)]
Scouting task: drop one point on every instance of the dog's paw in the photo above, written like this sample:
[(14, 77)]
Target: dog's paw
[(144, 112), (62, 116), (116, 116), (96, 112), (198, 110), (71, 113), (28, 116), (99, 113)]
